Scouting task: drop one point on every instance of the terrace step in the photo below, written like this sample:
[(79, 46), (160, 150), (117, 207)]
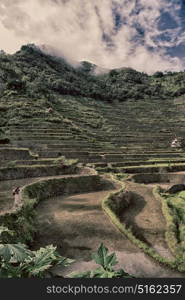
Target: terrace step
[(137, 163), (45, 137), (15, 153), (33, 162), (146, 169), (31, 171)]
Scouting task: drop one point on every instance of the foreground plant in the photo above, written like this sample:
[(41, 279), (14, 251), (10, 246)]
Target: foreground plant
[(16, 260), (106, 270)]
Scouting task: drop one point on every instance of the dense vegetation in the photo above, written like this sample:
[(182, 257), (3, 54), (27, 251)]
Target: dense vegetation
[(34, 73)]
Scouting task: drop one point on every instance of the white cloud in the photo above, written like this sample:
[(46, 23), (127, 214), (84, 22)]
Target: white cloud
[(75, 29)]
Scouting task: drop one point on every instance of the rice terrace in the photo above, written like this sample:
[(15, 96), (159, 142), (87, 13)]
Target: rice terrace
[(87, 170)]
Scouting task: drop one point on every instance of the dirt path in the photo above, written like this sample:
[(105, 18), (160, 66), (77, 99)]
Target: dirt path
[(77, 225), (146, 219), (6, 196), (6, 187)]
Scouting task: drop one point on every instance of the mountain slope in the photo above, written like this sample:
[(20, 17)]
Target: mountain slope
[(33, 73)]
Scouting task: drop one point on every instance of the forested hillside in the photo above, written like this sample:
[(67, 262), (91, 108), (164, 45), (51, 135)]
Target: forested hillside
[(33, 73)]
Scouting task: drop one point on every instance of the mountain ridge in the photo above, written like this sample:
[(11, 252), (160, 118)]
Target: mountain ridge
[(32, 72)]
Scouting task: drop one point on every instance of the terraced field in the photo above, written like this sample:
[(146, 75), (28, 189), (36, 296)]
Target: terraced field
[(130, 140)]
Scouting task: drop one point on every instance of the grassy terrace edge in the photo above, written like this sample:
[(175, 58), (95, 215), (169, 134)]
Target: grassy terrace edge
[(111, 210), (171, 231), (176, 167), (31, 171), (170, 234)]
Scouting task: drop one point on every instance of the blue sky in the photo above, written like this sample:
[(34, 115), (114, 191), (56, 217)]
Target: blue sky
[(170, 24), (147, 35), (178, 50)]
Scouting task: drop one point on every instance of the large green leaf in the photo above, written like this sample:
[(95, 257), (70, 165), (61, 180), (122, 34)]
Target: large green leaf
[(102, 258), (106, 270), (44, 255), (45, 258), (111, 260), (14, 252), (42, 260), (4, 229), (8, 270), (64, 261), (39, 269)]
